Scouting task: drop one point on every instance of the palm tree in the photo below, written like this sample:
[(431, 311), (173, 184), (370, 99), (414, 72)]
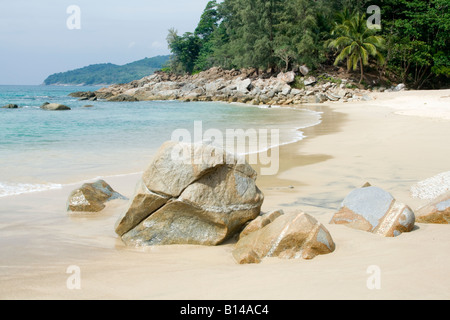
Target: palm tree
[(357, 43)]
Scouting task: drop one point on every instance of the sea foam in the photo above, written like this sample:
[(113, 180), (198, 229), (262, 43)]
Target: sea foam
[(11, 189)]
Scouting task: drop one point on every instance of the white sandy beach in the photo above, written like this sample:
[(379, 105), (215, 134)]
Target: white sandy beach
[(393, 142)]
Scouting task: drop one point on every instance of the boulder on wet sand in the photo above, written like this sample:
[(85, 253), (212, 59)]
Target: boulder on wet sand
[(141, 206), (437, 211), (91, 197), (54, 107), (375, 210), (191, 194), (260, 222), (290, 236)]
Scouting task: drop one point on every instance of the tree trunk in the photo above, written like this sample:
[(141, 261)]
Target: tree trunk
[(362, 69)]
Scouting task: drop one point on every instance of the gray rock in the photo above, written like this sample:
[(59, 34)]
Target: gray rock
[(260, 222), (91, 197), (243, 86), (332, 97), (287, 77), (143, 204), (304, 70), (309, 81), (286, 90), (54, 107), (122, 98), (289, 236), (374, 210), (296, 92), (197, 194), (10, 106), (437, 211), (215, 86), (82, 94)]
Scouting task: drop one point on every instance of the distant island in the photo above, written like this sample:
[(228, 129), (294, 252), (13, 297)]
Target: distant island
[(108, 73)]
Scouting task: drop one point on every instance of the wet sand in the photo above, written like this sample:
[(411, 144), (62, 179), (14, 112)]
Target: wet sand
[(355, 143)]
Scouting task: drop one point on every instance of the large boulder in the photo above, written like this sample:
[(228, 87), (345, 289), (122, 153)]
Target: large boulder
[(437, 211), (289, 236), (260, 222), (243, 86), (375, 210), (310, 81), (54, 107), (191, 194), (286, 77), (91, 197)]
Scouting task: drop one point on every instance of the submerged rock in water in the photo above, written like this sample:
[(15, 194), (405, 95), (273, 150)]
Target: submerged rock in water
[(437, 211), (91, 197), (289, 236), (54, 107), (122, 98), (374, 210), (191, 194), (82, 94), (10, 106)]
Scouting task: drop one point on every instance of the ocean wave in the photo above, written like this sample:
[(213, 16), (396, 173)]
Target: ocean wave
[(12, 189)]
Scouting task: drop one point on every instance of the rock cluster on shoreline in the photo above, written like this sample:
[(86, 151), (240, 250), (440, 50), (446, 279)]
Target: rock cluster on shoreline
[(199, 194), (244, 86)]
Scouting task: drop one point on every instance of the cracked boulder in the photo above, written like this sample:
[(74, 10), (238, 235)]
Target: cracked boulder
[(191, 194), (375, 210)]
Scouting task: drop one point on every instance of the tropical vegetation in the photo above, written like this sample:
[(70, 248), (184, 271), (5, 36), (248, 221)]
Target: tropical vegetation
[(411, 45)]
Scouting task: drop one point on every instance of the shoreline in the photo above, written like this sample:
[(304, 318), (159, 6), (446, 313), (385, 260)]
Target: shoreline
[(355, 143), (289, 135)]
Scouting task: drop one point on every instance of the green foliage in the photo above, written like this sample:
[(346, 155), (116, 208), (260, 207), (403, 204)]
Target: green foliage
[(108, 73), (417, 33), (276, 35), (298, 83), (356, 43), (327, 78)]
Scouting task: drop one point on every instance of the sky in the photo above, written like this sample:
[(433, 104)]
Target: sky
[(41, 37)]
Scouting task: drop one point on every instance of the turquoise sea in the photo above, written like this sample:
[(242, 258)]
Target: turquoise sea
[(41, 150)]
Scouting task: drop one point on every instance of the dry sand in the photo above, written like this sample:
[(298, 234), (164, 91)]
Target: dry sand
[(357, 142)]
